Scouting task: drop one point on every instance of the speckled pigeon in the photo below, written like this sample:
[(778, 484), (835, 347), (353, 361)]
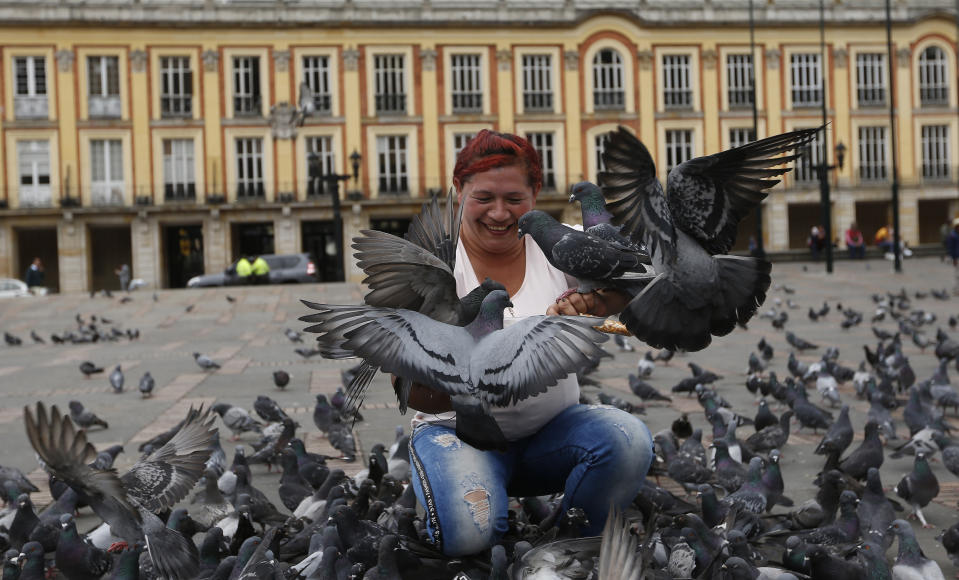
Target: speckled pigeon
[(699, 291), (479, 365)]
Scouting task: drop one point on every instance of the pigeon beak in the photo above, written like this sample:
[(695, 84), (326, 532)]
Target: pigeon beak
[(509, 304)]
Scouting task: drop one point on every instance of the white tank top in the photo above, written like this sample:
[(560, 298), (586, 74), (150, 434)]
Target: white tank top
[(542, 284)]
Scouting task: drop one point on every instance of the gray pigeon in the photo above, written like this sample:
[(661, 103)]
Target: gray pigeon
[(919, 487), (875, 511), (479, 365), (237, 419), (205, 362), (798, 343), (116, 379), (146, 385), (699, 291), (281, 379), (911, 563), (85, 419), (128, 502)]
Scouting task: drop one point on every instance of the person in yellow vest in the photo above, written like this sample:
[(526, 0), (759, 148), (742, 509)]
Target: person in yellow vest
[(244, 268), (260, 271)]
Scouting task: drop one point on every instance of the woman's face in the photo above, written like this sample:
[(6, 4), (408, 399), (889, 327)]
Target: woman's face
[(495, 200)]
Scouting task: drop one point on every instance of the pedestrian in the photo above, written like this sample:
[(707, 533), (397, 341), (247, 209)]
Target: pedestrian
[(260, 271), (883, 238), (952, 247), (34, 276), (123, 272), (595, 455), (816, 241), (244, 268), (754, 250), (855, 243)]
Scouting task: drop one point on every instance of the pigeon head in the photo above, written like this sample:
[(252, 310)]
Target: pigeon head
[(23, 501), (489, 285), (66, 521), (221, 408), (536, 223), (899, 527), (75, 406), (495, 302), (584, 190)]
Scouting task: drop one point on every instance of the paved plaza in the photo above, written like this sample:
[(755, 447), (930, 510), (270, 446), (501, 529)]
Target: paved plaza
[(246, 337)]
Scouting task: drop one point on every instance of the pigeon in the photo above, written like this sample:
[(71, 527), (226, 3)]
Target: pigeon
[(699, 292), (772, 437), (12, 340), (798, 343), (875, 511), (75, 558), (322, 414), (116, 379), (868, 454), (307, 352), (919, 487), (205, 362), (281, 379), (764, 417), (751, 495), (146, 385), (644, 390), (911, 563), (822, 564), (839, 436), (479, 365), (623, 344), (237, 419), (128, 502), (646, 365), (950, 541), (293, 335), (828, 388), (88, 368), (269, 410), (85, 419)]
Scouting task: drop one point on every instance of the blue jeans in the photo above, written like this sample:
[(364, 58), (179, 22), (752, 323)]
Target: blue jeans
[(596, 455)]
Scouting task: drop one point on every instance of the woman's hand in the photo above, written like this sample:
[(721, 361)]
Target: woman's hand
[(598, 303)]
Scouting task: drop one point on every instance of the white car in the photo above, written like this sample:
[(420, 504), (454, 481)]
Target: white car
[(13, 288)]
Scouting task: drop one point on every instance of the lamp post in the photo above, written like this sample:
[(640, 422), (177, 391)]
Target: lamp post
[(823, 170), (333, 186), (896, 249)]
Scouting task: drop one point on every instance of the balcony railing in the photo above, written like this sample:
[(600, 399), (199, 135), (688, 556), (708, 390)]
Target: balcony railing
[(173, 106), (250, 191), (537, 101), (37, 196), (247, 106), (106, 195), (30, 107), (468, 102), (105, 107), (609, 99), (390, 103)]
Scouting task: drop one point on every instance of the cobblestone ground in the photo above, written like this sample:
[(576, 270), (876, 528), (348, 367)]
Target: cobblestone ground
[(246, 337)]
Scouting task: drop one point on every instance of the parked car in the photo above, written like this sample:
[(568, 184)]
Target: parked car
[(13, 288), (284, 269)]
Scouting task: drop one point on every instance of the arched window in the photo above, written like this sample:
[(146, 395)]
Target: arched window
[(933, 79), (608, 92)]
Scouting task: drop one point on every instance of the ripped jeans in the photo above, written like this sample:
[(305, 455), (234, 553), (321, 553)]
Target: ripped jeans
[(596, 455)]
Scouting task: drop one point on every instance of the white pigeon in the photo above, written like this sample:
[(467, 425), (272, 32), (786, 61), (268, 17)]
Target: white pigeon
[(646, 365)]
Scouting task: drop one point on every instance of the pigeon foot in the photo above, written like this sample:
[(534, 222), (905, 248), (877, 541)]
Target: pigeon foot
[(117, 547)]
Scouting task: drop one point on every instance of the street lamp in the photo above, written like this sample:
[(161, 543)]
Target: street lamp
[(333, 186), (823, 170)]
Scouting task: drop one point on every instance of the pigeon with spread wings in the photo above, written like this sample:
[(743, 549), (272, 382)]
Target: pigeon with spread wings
[(479, 365), (128, 502), (699, 291)]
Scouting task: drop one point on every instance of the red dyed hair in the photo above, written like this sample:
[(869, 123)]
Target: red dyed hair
[(491, 150)]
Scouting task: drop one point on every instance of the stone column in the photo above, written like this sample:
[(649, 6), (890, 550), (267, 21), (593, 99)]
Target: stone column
[(712, 139), (777, 223), (433, 157), (145, 241), (140, 118), (646, 105), (216, 233), (572, 82), (215, 151), (72, 246), (505, 92), (68, 147)]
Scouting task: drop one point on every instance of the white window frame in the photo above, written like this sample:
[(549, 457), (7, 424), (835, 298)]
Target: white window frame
[(247, 86), (390, 94), (36, 82), (873, 153), (935, 152), (103, 78), (806, 75), (804, 170), (677, 81), (393, 164), (318, 76), (325, 148), (870, 79), (739, 136), (678, 147), (609, 90), (249, 168), (933, 83), (466, 82), (599, 147), (179, 167), (460, 139), (545, 143), (34, 162), (107, 184), (537, 86), (176, 87), (740, 80)]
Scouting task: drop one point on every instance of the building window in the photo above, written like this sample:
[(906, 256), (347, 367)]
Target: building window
[(391, 151), (246, 86), (806, 75), (872, 153), (316, 74), (459, 141), (871, 79), (390, 83), (176, 87), (30, 94), (677, 86), (933, 81), (467, 88), (599, 146), (249, 168), (33, 159), (740, 136), (537, 82), (106, 172), (103, 74), (805, 168), (320, 148), (739, 80), (179, 182), (935, 152), (679, 147), (608, 92), (543, 143)]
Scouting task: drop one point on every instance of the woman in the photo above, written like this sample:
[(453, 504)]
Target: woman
[(595, 455), (855, 242)]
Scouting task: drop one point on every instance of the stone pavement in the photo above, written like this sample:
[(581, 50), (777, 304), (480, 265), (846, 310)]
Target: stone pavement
[(246, 337)]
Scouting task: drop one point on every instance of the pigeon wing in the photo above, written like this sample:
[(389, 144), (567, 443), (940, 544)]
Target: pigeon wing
[(634, 196), (66, 452), (527, 357), (589, 258), (437, 230), (401, 342), (166, 476), (709, 196)]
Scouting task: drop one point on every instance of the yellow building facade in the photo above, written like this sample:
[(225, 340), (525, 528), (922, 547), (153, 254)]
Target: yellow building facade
[(176, 136)]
